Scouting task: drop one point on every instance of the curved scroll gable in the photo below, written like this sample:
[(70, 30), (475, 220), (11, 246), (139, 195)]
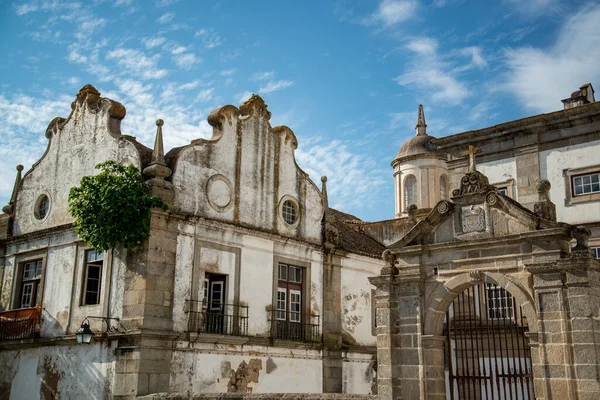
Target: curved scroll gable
[(255, 107), (91, 134), (288, 134), (220, 116)]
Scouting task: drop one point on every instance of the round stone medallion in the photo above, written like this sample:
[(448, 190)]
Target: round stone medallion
[(218, 192)]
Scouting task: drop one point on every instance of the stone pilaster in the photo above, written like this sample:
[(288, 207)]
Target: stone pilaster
[(388, 322), (433, 364), (148, 307), (332, 324), (567, 295)]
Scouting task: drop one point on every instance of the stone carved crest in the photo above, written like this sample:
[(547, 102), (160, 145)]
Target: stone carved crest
[(473, 219), (472, 183)]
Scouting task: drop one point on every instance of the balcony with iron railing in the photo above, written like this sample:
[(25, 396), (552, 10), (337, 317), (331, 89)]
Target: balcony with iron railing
[(295, 326), (217, 318), (20, 324)]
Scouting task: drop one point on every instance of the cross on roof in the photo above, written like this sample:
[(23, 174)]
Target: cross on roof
[(471, 151)]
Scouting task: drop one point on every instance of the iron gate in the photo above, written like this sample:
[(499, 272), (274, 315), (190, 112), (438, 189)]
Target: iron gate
[(487, 353)]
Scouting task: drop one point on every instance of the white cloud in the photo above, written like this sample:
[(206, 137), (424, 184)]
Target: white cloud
[(431, 74), (210, 39), (186, 60), (272, 86), (353, 178), (136, 63), (242, 97), (534, 7), (189, 85), (228, 72), (178, 49), (423, 46), (205, 95), (26, 8), (152, 42), (263, 76), (476, 57), (540, 78), (165, 18), (165, 3), (73, 81), (392, 12)]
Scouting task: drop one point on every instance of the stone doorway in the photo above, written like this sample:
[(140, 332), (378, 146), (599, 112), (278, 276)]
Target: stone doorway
[(487, 354)]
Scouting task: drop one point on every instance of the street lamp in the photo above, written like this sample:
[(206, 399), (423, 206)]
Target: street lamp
[(84, 334)]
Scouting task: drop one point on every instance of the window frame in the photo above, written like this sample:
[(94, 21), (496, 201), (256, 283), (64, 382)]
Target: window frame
[(495, 313), (569, 174), (508, 186), (85, 276), (595, 252), (38, 280), (291, 288), (298, 210), (405, 191), (590, 174)]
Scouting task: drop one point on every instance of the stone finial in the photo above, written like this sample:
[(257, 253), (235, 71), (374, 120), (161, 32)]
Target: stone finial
[(324, 198), (255, 106), (544, 207), (10, 207), (543, 189), (581, 249), (158, 154), (471, 151), (582, 235), (158, 167), (421, 127)]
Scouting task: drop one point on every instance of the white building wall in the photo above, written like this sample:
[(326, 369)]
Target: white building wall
[(553, 163), (500, 171), (357, 298)]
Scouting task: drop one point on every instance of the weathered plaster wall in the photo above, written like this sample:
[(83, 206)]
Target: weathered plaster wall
[(244, 173), (214, 368), (498, 171), (359, 374), (90, 135), (553, 163), (68, 372), (356, 299), (214, 247)]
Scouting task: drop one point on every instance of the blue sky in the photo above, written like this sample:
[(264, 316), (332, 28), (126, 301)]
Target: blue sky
[(347, 76)]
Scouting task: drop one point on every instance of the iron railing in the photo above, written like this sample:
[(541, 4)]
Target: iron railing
[(217, 318), (20, 324), (307, 329)]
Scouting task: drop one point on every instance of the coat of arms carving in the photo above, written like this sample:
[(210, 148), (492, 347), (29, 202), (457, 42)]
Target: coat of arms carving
[(473, 219)]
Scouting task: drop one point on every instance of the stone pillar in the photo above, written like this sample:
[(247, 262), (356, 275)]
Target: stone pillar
[(332, 324), (148, 311), (409, 353), (433, 364), (567, 295), (387, 321)]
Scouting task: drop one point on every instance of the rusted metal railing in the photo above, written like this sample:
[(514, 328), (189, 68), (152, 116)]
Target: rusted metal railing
[(20, 324)]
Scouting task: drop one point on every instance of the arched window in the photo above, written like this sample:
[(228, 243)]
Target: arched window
[(443, 188), (410, 191)]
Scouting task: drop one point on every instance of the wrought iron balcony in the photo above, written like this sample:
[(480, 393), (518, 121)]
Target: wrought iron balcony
[(295, 326), (20, 324), (217, 318)]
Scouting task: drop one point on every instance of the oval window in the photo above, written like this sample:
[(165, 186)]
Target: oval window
[(42, 207), (289, 212)]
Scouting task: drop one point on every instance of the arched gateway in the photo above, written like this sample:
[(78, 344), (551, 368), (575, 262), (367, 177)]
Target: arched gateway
[(484, 299)]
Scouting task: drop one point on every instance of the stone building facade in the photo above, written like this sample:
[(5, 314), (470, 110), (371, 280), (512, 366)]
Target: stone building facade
[(482, 285), (248, 283), (492, 283)]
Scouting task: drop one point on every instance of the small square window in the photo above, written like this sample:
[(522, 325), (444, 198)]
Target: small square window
[(289, 212), (596, 252), (586, 184), (283, 269)]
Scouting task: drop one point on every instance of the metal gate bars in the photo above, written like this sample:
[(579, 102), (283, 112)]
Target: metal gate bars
[(487, 353)]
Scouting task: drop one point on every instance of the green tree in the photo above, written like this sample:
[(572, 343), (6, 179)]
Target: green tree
[(112, 207)]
